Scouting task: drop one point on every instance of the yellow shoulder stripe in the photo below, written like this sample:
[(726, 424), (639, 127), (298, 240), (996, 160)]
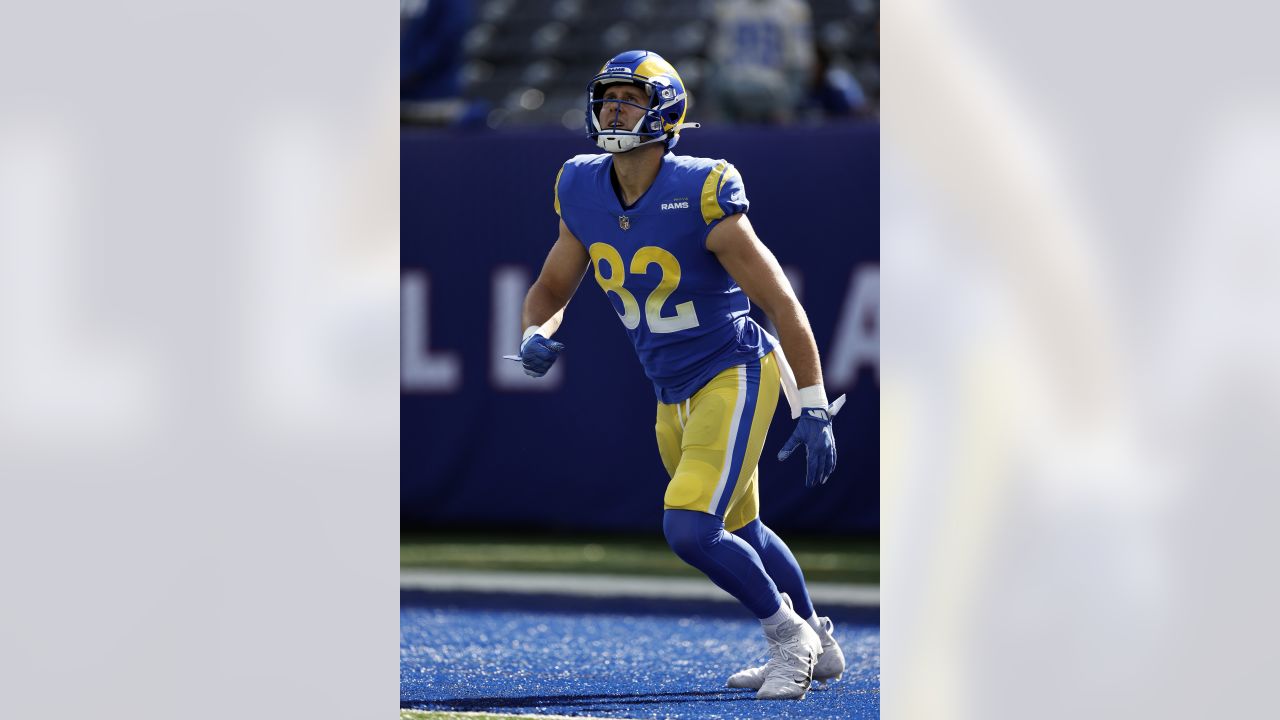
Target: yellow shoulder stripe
[(710, 189), (557, 189)]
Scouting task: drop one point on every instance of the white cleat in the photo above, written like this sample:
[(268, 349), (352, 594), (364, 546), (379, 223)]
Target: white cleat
[(793, 650), (829, 668)]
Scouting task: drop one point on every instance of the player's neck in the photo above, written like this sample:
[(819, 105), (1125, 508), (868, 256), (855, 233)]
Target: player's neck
[(635, 171)]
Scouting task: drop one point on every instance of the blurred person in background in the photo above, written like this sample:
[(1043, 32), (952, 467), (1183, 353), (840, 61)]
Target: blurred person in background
[(431, 58), (834, 93), (762, 58), (672, 248)]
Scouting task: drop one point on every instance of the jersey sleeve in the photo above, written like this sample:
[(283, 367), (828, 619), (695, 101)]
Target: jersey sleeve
[(723, 194), (567, 202)]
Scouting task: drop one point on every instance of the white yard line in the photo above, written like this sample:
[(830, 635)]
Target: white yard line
[(614, 586)]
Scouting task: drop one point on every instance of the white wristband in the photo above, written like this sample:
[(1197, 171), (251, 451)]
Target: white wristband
[(814, 396), (530, 332)]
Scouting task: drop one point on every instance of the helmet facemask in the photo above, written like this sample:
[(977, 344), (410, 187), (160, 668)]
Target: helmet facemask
[(604, 113)]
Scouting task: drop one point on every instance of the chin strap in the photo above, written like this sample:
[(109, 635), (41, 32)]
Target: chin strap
[(683, 126)]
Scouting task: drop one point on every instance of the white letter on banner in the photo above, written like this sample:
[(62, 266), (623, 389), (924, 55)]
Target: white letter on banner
[(857, 336), (420, 369), (510, 283)]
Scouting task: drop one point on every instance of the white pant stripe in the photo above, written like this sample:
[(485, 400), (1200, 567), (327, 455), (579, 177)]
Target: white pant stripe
[(733, 438)]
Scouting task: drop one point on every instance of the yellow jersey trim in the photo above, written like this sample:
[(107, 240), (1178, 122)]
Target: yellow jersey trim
[(711, 210), (557, 189)]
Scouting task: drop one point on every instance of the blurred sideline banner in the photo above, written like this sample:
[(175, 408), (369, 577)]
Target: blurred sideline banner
[(483, 446)]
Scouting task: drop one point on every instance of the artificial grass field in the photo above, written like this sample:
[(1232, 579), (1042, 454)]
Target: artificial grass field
[(475, 662), (653, 659), (446, 715)]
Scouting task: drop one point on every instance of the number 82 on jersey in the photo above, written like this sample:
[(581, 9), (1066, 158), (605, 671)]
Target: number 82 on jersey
[(686, 317)]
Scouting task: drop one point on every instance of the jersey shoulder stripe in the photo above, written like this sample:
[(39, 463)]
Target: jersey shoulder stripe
[(556, 189), (722, 191), (711, 210)]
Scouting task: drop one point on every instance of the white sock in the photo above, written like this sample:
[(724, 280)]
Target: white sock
[(776, 619), (814, 622)]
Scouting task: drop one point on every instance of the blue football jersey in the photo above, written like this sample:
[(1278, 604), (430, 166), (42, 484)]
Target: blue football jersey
[(683, 312)]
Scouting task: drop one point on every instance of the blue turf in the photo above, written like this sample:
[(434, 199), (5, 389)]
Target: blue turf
[(611, 658)]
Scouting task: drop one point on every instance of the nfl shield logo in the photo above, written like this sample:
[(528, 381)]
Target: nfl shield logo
[(624, 222)]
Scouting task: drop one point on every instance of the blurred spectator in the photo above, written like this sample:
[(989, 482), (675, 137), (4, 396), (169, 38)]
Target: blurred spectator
[(762, 56), (834, 92), (431, 58)]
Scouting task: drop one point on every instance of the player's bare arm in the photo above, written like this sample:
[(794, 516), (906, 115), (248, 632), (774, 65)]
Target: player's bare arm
[(562, 271), (544, 305), (758, 273), (756, 270)]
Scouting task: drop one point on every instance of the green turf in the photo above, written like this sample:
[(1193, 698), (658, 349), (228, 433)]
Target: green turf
[(823, 560)]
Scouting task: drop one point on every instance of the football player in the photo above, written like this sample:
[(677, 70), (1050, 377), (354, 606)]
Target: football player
[(669, 242)]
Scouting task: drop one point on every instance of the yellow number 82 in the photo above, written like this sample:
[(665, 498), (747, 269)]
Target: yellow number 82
[(686, 317)]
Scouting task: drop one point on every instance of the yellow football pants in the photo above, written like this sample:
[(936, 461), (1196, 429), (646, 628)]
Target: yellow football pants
[(710, 444)]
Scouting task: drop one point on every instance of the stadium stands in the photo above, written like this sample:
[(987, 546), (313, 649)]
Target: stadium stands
[(529, 60)]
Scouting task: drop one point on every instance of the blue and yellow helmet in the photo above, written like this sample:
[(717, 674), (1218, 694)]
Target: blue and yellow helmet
[(664, 116)]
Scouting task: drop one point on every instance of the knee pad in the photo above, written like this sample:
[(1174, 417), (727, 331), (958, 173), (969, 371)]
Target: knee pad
[(700, 540), (690, 533)]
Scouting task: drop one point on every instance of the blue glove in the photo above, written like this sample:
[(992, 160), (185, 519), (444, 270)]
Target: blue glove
[(538, 354), (814, 432)]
